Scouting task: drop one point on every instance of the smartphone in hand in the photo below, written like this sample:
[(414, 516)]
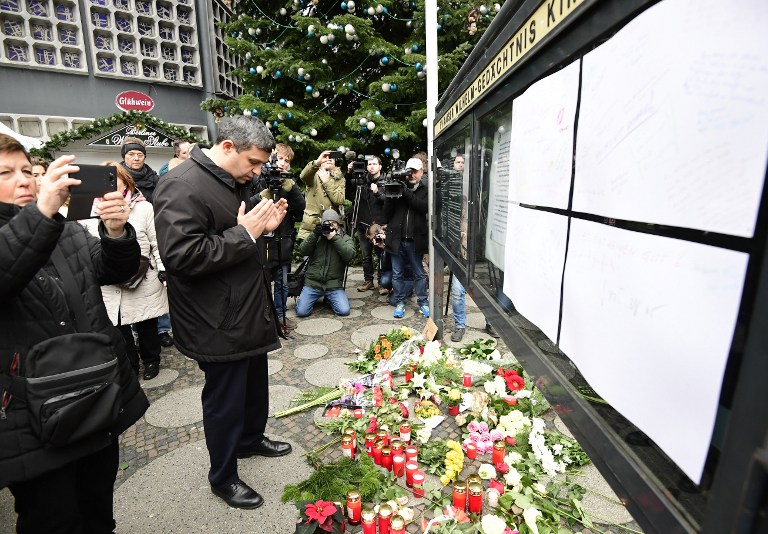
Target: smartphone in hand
[(96, 181), (335, 154)]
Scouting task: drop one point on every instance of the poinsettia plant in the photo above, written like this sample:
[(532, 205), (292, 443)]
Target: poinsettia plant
[(320, 516)]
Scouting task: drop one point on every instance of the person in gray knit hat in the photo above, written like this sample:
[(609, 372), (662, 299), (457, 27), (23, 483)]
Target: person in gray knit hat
[(330, 251), (134, 153)]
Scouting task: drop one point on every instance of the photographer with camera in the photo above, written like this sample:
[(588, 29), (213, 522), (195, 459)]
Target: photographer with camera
[(367, 208), (377, 235), (329, 251), (407, 233), (325, 190), (276, 183)]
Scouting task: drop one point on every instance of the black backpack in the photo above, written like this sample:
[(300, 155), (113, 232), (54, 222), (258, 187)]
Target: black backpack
[(296, 279)]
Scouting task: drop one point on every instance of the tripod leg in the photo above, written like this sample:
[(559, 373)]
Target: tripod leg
[(355, 211)]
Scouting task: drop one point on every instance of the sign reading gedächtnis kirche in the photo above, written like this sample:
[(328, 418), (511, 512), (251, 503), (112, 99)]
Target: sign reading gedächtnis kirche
[(150, 136)]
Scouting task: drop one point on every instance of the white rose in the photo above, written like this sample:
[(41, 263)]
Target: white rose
[(493, 524)]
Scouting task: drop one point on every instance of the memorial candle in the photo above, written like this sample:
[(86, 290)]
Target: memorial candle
[(386, 458), (471, 451), (498, 452), (383, 436), (369, 521), (460, 495), (418, 484), (370, 437), (348, 447), (475, 498), (397, 525), (467, 380), (377, 446), (385, 515), (398, 465), (410, 469), (354, 507), (405, 432), (411, 453)]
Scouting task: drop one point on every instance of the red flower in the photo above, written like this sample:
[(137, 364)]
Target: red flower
[(509, 399), (510, 440), (500, 371), (404, 410), (392, 400), (502, 468), (497, 485), (515, 382), (320, 512)]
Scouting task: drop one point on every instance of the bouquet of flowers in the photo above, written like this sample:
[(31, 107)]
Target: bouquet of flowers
[(382, 350), (481, 436)]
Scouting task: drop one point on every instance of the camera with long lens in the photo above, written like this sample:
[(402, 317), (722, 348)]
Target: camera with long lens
[(324, 228), (394, 182)]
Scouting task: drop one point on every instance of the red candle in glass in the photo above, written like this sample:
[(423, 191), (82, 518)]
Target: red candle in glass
[(408, 374), (398, 465), (358, 413), (460, 495), (369, 439), (411, 453), (369, 521), (498, 452), (386, 458), (453, 410), (410, 469), (354, 507), (348, 447), (382, 435), (471, 451), (377, 446), (397, 525), (385, 515), (405, 431), (467, 380), (418, 484), (475, 498)]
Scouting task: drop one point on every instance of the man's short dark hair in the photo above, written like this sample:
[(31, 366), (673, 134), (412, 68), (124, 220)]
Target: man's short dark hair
[(245, 133)]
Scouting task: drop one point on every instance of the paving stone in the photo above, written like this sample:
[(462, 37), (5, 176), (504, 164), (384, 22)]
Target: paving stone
[(597, 507), (275, 366), (476, 320), (560, 426), (356, 303), (177, 408), (172, 494), (280, 397), (363, 337), (469, 336), (329, 372), (385, 312), (354, 313), (318, 327), (274, 352), (310, 351), (165, 376)]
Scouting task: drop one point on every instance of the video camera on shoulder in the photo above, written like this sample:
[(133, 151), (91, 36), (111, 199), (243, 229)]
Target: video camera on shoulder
[(272, 176), (360, 169), (393, 184)]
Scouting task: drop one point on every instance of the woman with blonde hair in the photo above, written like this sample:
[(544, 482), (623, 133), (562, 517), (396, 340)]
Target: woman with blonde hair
[(142, 305)]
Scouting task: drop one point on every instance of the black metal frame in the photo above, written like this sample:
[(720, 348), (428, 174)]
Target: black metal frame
[(735, 496)]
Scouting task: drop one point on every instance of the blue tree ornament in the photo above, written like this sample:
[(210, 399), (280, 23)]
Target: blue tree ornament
[(283, 102), (387, 151), (309, 89), (254, 112), (393, 87), (252, 70), (419, 67), (414, 47), (278, 74)]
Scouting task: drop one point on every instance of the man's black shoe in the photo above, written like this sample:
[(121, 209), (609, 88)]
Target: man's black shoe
[(239, 495), (151, 370), (166, 340), (265, 447)]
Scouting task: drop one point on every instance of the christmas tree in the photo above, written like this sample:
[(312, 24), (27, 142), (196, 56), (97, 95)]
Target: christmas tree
[(330, 74)]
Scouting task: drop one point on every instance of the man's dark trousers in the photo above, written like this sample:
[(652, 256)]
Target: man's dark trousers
[(235, 409), (366, 250)]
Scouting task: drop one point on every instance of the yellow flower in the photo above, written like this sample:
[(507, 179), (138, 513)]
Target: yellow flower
[(445, 480)]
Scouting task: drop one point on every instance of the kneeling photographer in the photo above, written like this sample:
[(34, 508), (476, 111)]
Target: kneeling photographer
[(367, 208), (406, 207), (329, 251), (377, 236), (276, 183)]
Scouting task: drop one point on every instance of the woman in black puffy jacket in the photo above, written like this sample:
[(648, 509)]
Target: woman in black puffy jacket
[(66, 488)]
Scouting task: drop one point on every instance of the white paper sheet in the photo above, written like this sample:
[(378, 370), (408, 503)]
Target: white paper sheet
[(542, 140), (648, 321), (534, 265), (498, 196), (673, 125)]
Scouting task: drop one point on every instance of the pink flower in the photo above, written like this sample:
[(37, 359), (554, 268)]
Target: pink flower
[(474, 436), (486, 438), (496, 435), (482, 427), (472, 426)]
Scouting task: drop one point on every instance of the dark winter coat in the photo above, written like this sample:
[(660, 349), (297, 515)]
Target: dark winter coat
[(218, 282), (146, 180), (328, 260), (370, 205), (286, 232), (407, 218), (35, 309)]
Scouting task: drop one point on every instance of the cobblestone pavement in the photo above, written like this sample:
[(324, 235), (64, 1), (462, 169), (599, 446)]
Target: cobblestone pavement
[(161, 485)]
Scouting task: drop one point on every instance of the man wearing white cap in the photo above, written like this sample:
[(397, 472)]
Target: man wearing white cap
[(408, 237)]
